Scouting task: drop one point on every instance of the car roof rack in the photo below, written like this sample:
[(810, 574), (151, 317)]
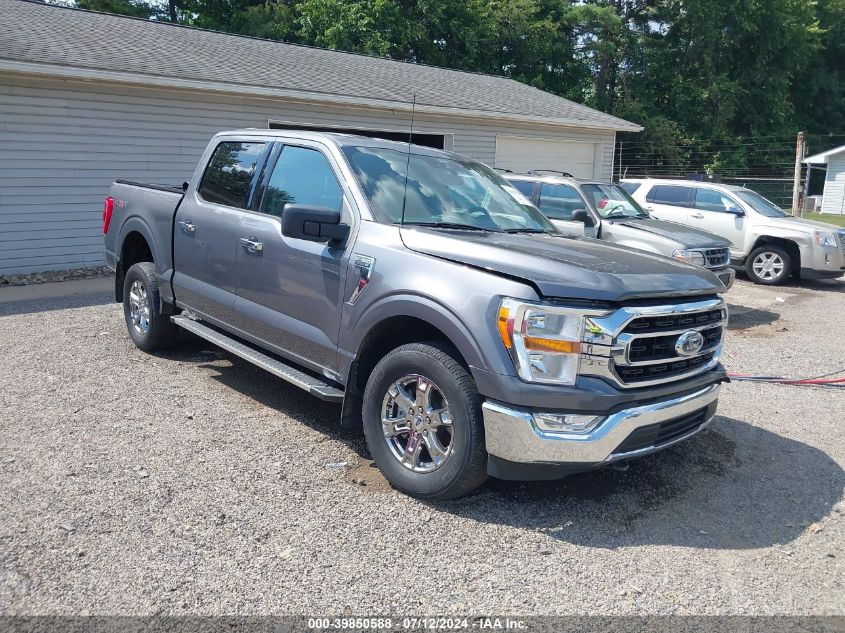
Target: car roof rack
[(503, 170), (538, 172)]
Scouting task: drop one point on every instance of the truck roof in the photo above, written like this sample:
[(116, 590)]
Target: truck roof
[(339, 139), (685, 183)]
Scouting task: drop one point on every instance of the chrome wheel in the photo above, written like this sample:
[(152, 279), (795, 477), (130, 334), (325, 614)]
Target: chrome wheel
[(768, 266), (139, 307), (417, 423)]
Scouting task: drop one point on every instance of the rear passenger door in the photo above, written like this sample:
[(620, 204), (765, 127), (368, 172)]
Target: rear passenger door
[(557, 202), (205, 234), (670, 202), (289, 290)]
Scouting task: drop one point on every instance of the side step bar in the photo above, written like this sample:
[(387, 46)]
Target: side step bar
[(311, 384)]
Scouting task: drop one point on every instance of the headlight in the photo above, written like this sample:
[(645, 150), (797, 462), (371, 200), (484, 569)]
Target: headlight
[(825, 238), (690, 257), (544, 341)]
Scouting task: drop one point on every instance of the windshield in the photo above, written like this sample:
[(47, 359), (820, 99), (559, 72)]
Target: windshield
[(613, 202), (760, 204), (442, 191)]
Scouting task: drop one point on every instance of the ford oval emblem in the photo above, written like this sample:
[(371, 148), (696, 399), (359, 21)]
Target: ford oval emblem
[(689, 343)]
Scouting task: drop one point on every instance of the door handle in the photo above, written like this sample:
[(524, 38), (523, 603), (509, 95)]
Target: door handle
[(187, 226), (251, 245), (697, 216)]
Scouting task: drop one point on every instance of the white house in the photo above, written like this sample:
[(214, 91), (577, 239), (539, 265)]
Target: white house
[(87, 97), (833, 199)]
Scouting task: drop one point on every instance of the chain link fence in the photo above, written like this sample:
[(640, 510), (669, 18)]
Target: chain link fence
[(778, 190)]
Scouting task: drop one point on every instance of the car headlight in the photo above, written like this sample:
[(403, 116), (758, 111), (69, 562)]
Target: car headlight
[(544, 341), (690, 257), (825, 238)]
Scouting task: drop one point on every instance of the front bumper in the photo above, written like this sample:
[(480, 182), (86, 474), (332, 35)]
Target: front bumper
[(519, 449), (725, 275)]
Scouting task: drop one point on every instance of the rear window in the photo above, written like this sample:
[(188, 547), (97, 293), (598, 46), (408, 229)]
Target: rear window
[(674, 195), (228, 177), (630, 187)]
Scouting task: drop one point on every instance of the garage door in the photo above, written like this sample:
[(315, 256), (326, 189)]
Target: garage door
[(521, 154)]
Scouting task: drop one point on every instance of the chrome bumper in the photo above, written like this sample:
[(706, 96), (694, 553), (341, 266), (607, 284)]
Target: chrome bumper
[(513, 435)]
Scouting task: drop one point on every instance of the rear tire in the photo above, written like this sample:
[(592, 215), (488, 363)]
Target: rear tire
[(769, 265), (423, 423), (149, 329)]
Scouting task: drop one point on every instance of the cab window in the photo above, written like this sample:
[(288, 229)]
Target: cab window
[(558, 202), (301, 176), (228, 177)]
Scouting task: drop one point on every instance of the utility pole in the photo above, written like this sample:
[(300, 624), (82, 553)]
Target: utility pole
[(796, 181)]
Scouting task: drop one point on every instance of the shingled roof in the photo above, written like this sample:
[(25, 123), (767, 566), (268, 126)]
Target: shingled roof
[(36, 37)]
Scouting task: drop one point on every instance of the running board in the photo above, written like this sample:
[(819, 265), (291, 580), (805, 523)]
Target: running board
[(310, 383)]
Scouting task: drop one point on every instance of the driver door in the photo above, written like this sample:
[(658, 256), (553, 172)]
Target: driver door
[(558, 201), (290, 290), (711, 213)]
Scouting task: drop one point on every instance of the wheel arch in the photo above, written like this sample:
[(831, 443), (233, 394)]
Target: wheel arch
[(790, 246), (395, 323), (135, 244)]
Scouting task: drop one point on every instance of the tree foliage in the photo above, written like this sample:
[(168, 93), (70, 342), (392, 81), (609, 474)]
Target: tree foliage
[(706, 78)]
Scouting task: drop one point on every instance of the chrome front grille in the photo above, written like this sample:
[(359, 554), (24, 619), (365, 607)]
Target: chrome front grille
[(638, 346), (716, 257)]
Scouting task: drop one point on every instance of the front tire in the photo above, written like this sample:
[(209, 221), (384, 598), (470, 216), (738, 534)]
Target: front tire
[(149, 329), (769, 265), (423, 423)]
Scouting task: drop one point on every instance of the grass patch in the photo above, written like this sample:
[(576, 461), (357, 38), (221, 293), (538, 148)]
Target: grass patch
[(838, 220)]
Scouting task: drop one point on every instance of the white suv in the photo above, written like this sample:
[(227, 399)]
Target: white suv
[(767, 241)]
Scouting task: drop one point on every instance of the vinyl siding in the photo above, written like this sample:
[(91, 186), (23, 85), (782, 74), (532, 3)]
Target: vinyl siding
[(63, 142), (834, 186)]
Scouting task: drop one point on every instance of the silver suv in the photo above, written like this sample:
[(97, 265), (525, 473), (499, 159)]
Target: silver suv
[(606, 211), (769, 242)]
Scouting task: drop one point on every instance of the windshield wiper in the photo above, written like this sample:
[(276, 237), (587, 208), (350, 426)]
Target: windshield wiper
[(449, 225), (526, 230)]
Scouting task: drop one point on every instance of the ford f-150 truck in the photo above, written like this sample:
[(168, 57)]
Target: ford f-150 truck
[(453, 322)]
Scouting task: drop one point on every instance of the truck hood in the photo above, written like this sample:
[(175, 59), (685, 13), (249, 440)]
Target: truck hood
[(566, 267), (686, 236)]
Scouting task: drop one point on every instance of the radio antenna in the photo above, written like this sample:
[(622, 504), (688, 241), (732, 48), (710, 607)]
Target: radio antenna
[(408, 161)]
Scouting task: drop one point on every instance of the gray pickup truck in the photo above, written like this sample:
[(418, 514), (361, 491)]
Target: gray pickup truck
[(449, 317)]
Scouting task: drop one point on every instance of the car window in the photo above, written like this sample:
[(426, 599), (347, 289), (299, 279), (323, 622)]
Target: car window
[(559, 201), (761, 205), (712, 200), (525, 187), (675, 195), (301, 176), (613, 202), (630, 187), (439, 190), (228, 176)]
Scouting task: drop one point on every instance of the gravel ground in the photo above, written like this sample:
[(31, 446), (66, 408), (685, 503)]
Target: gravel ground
[(191, 482)]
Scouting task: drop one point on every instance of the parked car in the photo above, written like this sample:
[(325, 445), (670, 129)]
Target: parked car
[(767, 241), (606, 211), (449, 317)]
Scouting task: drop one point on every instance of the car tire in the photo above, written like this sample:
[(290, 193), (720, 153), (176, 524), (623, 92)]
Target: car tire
[(149, 329), (769, 265), (439, 453)]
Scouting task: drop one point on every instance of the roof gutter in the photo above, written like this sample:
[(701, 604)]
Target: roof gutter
[(91, 74)]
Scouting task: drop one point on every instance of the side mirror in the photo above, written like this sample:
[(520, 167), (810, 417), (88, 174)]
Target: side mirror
[(735, 210), (315, 224), (581, 215)]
